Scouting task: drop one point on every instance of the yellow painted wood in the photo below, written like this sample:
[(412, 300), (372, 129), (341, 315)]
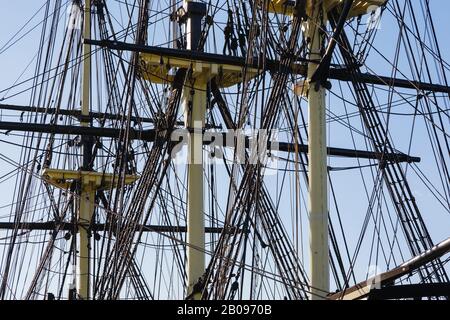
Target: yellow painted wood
[(86, 203), (195, 119), (87, 197)]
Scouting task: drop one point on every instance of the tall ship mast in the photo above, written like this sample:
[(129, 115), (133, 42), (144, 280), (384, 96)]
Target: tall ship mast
[(225, 150)]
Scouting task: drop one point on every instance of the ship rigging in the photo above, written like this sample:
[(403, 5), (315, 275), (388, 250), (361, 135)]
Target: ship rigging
[(226, 149)]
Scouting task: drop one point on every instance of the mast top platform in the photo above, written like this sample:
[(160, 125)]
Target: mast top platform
[(360, 7)]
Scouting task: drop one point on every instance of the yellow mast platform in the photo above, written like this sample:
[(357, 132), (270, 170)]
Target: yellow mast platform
[(158, 69), (286, 7), (316, 11), (90, 183)]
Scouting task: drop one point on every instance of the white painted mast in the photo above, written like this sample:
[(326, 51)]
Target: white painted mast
[(194, 104), (87, 194), (318, 193)]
